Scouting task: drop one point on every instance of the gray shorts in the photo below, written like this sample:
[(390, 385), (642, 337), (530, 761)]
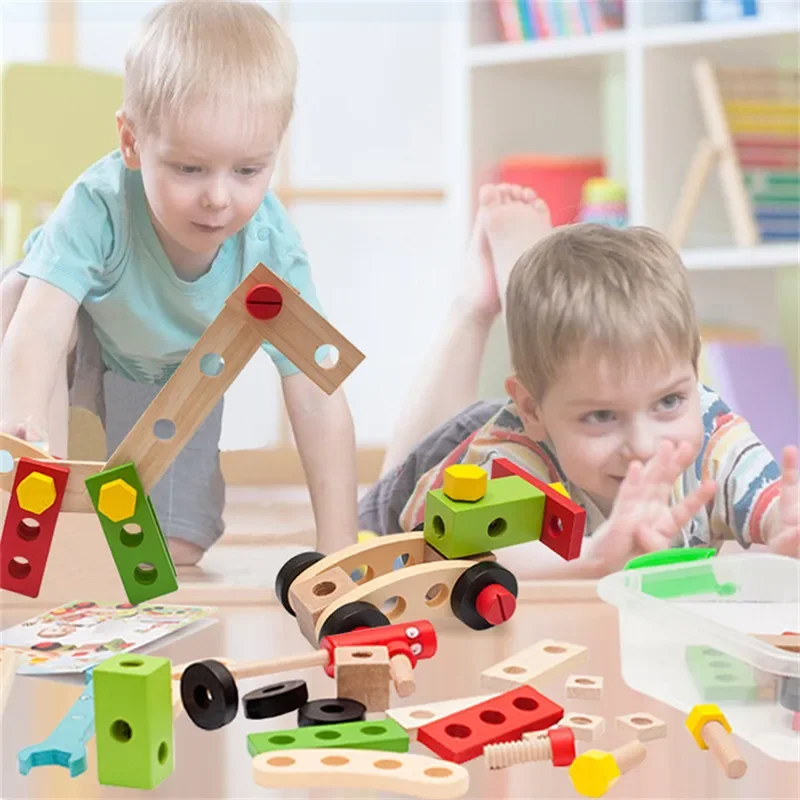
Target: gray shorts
[(190, 496), (379, 509)]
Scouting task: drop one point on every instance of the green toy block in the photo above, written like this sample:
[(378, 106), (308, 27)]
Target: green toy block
[(694, 578), (131, 528), (133, 720), (384, 734), (510, 513), (722, 678)]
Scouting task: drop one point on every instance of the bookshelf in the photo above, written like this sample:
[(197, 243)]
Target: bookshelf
[(626, 95)]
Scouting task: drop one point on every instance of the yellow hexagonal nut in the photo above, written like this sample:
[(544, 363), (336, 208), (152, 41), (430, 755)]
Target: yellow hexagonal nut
[(36, 493), (465, 482), (593, 773), (117, 500), (699, 716), (559, 487)]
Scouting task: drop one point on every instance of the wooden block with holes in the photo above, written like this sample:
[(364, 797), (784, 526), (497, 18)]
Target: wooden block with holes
[(30, 523), (310, 597), (363, 674), (535, 665), (584, 687), (586, 727), (644, 726), (432, 554)]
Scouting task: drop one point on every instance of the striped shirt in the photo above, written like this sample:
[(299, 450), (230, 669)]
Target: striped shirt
[(747, 476)]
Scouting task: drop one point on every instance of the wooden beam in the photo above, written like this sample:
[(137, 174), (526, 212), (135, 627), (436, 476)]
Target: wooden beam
[(289, 195)]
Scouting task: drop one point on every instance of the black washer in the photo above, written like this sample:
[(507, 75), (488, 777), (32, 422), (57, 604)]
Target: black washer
[(290, 571), (275, 699), (209, 694), (350, 616), (332, 711), (471, 584)]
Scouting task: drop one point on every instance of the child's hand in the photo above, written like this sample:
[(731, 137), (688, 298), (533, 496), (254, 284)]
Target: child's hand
[(786, 540), (28, 431), (642, 519)]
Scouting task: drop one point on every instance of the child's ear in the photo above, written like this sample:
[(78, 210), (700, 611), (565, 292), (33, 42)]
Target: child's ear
[(527, 407), (128, 145)]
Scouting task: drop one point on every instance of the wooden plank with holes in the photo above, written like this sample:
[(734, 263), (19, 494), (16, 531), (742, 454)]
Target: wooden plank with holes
[(535, 665), (413, 590), (298, 331), (187, 398)]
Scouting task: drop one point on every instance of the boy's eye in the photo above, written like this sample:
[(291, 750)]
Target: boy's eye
[(599, 417), (248, 172), (187, 169), (670, 402)]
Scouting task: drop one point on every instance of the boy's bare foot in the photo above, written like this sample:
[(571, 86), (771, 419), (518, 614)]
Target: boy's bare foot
[(184, 554), (513, 219)]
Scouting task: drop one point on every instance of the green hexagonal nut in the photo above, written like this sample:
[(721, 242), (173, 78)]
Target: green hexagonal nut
[(117, 500), (36, 493), (593, 773)]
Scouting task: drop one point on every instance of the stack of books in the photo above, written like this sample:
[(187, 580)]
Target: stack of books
[(547, 19)]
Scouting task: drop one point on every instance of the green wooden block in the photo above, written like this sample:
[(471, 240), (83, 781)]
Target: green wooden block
[(384, 734), (510, 513), (722, 678), (133, 720), (130, 525)]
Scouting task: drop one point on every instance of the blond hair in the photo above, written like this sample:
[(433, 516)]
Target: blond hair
[(595, 291), (219, 52)]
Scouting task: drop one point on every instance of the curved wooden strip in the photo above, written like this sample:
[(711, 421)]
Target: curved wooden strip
[(410, 585), (19, 448), (404, 773), (377, 556)]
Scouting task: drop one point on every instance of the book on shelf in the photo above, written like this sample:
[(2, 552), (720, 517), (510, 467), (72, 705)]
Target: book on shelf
[(530, 20)]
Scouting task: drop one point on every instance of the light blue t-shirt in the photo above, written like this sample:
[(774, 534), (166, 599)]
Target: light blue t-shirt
[(99, 246)]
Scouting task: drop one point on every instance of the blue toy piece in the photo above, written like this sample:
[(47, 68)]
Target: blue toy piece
[(66, 745)]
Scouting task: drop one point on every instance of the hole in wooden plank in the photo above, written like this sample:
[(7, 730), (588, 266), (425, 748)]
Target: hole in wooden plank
[(326, 356)]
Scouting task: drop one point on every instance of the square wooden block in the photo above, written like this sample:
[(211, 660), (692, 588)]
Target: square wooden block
[(585, 687), (310, 597), (643, 725), (586, 727), (363, 674)]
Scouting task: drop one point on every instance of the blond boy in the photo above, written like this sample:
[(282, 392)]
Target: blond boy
[(142, 251), (604, 397)]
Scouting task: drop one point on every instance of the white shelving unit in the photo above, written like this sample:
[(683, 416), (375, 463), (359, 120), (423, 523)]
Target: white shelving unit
[(627, 96)]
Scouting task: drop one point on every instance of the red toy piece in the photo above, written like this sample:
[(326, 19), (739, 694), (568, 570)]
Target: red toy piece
[(462, 736), (564, 521), (28, 532), (562, 742), (263, 302), (496, 604), (415, 640)]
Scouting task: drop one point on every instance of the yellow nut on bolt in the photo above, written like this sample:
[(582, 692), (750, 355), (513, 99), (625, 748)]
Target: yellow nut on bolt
[(36, 493), (117, 500), (711, 730), (465, 482), (594, 772)]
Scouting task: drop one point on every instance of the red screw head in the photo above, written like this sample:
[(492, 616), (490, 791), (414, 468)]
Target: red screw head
[(562, 742), (263, 302), (496, 604)]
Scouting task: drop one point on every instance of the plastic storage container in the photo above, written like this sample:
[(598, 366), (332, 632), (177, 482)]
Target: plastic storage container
[(686, 637)]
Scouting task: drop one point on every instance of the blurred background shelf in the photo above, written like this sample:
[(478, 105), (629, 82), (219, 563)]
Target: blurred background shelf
[(765, 256)]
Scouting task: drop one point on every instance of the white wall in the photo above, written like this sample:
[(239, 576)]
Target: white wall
[(369, 115)]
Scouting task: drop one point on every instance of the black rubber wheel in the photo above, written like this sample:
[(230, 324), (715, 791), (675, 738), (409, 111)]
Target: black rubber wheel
[(275, 699), (289, 572), (350, 616), (209, 694), (471, 584), (332, 711)]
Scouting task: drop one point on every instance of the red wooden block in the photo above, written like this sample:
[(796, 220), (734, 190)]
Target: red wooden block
[(462, 736), (26, 538), (564, 521)]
